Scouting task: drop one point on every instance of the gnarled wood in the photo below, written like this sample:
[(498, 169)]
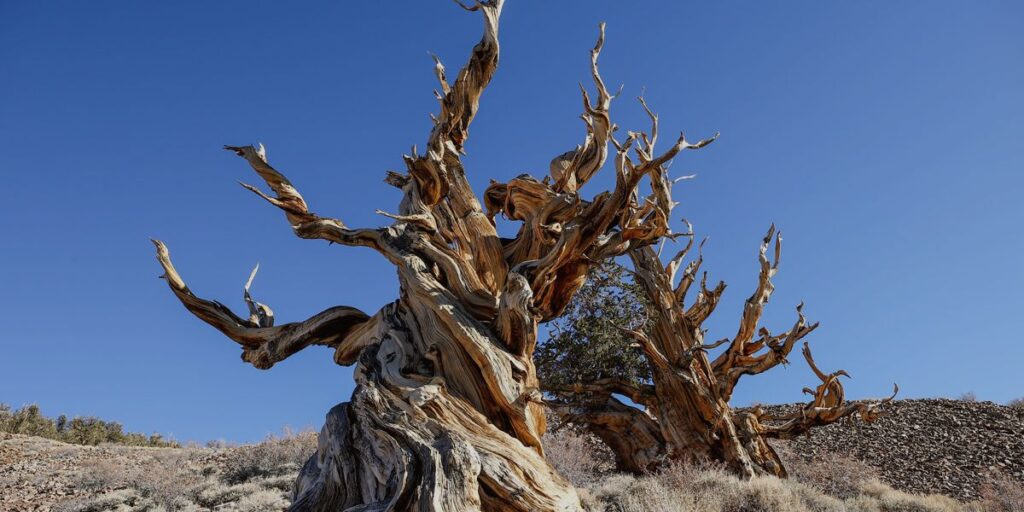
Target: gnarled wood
[(447, 413), (687, 399)]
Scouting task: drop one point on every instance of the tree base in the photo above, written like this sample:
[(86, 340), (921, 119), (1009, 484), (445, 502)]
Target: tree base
[(421, 449)]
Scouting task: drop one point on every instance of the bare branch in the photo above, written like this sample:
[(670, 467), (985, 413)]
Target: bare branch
[(633, 435), (689, 273), (340, 327), (572, 169), (259, 314), (730, 369), (637, 392), (441, 188), (827, 406), (753, 308), (303, 222)]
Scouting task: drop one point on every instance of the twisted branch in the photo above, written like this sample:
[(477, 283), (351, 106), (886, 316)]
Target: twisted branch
[(343, 328), (828, 405)]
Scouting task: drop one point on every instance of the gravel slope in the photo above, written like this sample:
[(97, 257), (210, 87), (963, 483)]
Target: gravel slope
[(930, 445), (921, 446)]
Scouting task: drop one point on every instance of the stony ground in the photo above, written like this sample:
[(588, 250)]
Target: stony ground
[(33, 471), (936, 445), (923, 446), (42, 475), (37, 473)]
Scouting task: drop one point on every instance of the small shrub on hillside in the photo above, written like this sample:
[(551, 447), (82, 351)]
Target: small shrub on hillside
[(832, 473), (103, 474), (168, 482), (262, 501), (969, 397), (577, 455), (712, 488), (273, 457), (172, 481), (879, 496), (165, 481), (1000, 493), (704, 489), (1016, 403), (216, 495), (29, 420)]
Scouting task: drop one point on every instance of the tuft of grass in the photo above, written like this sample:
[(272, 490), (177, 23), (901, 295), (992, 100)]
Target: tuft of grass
[(577, 455), (247, 478), (828, 483), (834, 474), (1002, 493), (260, 477), (708, 489), (274, 456)]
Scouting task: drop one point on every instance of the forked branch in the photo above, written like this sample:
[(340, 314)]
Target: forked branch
[(828, 405), (572, 169), (264, 345), (305, 223)]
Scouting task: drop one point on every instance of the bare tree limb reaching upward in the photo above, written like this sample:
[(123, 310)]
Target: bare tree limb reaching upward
[(447, 412), (680, 397)]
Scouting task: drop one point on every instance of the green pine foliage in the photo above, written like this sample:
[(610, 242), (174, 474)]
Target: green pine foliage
[(29, 420), (587, 342)]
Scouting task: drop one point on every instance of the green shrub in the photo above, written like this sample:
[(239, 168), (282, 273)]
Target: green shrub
[(29, 420)]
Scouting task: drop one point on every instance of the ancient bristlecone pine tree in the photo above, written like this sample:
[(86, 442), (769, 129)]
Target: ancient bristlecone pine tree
[(681, 396), (447, 413)]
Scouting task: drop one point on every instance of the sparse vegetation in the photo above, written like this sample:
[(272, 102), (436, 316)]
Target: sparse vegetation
[(1002, 494), (577, 455), (1016, 403), (247, 478), (260, 477), (836, 474), (825, 484), (969, 397), (29, 420), (275, 456), (681, 488)]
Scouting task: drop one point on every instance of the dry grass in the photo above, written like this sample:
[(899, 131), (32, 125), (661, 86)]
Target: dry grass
[(829, 484), (836, 474), (247, 478), (687, 489), (257, 478), (275, 456), (1002, 494), (578, 456)]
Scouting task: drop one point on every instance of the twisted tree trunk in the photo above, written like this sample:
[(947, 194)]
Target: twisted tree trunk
[(685, 413), (447, 414)]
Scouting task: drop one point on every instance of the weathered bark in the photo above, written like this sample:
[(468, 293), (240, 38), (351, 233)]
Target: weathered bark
[(447, 413), (686, 414)]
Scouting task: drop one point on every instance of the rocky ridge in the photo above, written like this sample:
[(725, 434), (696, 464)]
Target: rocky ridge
[(950, 447)]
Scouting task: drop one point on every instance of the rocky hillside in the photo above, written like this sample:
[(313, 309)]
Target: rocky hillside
[(935, 445), (43, 475), (923, 446)]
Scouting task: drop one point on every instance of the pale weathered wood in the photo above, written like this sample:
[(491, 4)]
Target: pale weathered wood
[(686, 414), (447, 413)]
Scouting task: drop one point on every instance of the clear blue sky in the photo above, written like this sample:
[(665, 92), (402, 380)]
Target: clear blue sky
[(882, 137)]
